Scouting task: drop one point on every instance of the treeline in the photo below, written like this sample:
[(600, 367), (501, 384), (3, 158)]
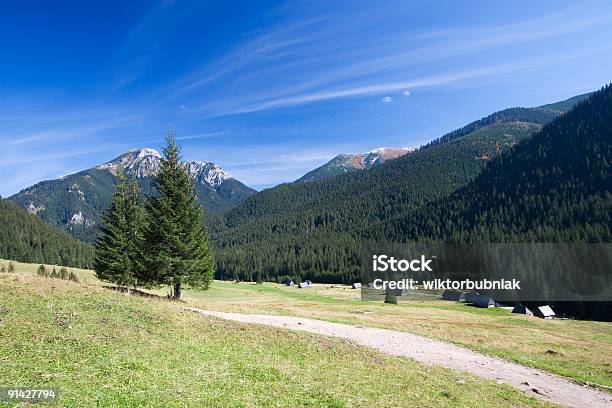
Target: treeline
[(25, 238)]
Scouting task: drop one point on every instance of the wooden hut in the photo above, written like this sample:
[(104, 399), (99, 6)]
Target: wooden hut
[(521, 309), (453, 295), (544, 312)]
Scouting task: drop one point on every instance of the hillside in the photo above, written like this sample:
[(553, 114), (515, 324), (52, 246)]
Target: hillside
[(76, 202), (346, 163), (553, 187), (314, 230), (98, 347), (26, 238), (540, 115)]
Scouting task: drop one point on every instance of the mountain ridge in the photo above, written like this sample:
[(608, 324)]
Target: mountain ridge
[(75, 202), (282, 232), (349, 162)]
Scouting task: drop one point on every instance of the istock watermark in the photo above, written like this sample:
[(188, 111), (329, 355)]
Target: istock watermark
[(508, 272), (447, 284), (382, 263)]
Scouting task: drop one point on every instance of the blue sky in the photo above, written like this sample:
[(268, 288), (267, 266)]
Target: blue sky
[(270, 90)]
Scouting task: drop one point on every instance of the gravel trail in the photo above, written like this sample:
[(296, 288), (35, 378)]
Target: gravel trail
[(544, 385)]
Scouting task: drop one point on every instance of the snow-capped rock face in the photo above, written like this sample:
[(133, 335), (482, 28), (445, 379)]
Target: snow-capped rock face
[(344, 163), (382, 154), (135, 162), (207, 173), (146, 163)]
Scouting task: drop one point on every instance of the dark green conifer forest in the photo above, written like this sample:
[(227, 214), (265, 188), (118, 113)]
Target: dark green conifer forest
[(24, 237), (497, 183)]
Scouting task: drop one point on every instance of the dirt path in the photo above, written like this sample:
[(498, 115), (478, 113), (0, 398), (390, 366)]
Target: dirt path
[(425, 350)]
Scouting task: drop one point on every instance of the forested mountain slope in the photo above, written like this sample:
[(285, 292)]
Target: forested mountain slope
[(540, 115), (554, 187), (25, 238), (315, 230)]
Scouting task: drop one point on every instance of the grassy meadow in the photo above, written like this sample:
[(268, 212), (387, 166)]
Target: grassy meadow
[(105, 348), (579, 350)]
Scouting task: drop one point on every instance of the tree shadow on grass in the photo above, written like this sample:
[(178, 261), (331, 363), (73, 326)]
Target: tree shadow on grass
[(138, 292)]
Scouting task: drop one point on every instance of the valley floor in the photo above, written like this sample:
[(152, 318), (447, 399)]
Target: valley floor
[(105, 348), (575, 349)]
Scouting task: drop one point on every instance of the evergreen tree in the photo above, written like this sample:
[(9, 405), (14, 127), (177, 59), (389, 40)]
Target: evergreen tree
[(135, 220), (176, 239), (118, 248), (42, 271), (390, 297)]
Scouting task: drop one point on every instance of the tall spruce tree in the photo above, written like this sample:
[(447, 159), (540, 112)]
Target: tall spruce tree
[(136, 219), (176, 239), (119, 257)]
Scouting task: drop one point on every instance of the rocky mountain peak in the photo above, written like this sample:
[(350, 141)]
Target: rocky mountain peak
[(145, 162), (207, 173), (382, 154), (345, 163), (135, 162)]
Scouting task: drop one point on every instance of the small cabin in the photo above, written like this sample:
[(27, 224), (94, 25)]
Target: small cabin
[(482, 301), (453, 295), (521, 309), (302, 285), (544, 312), (471, 297), (289, 282), (356, 285)]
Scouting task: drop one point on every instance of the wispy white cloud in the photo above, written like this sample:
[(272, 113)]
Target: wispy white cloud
[(11, 160), (320, 58), (43, 139), (316, 54), (372, 88)]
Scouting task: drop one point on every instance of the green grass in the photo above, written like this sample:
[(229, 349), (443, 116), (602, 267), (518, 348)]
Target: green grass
[(85, 276), (578, 350), (104, 348)]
